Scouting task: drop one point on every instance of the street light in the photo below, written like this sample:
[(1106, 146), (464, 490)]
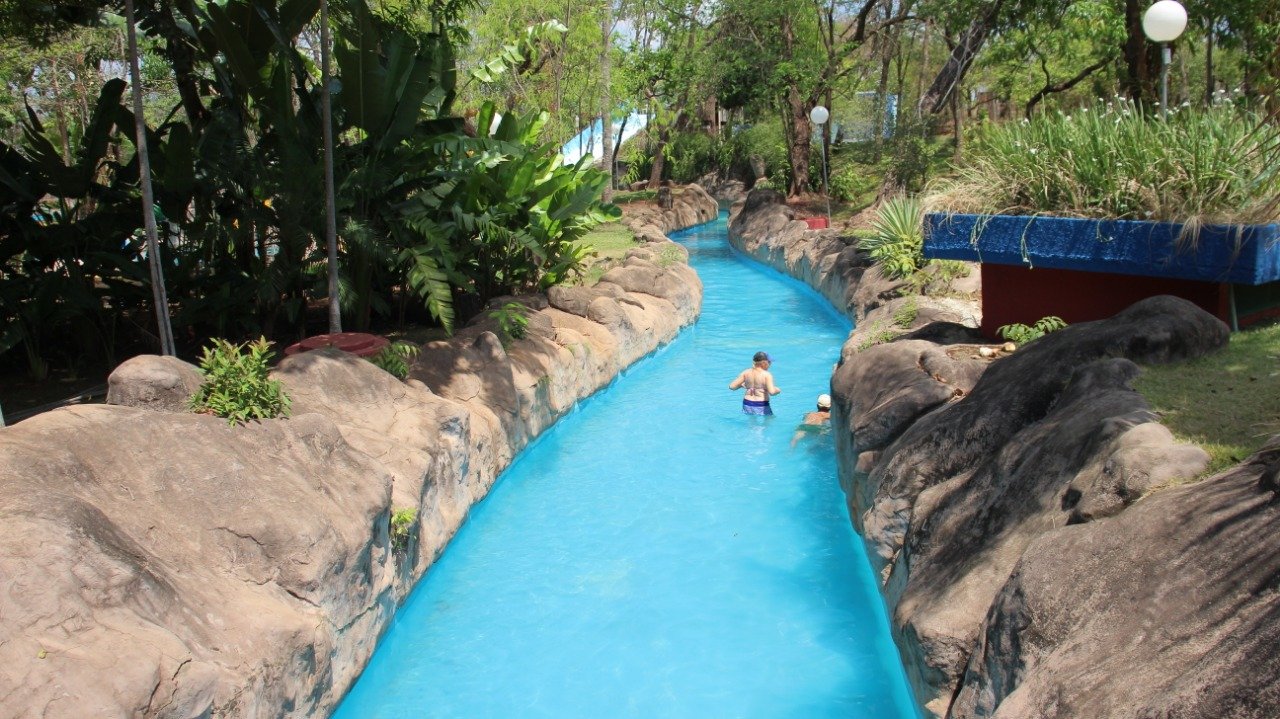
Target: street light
[(819, 116), (1163, 23)]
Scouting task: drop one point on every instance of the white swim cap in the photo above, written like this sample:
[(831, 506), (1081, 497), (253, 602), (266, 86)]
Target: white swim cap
[(824, 400)]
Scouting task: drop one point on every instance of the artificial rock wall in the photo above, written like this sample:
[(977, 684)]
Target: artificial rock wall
[(159, 563), (1040, 539)]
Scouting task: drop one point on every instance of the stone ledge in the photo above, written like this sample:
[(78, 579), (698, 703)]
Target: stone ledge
[(999, 502), (167, 564)]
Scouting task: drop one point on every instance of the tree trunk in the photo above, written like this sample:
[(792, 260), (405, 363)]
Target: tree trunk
[(158, 293), (1208, 64), (957, 125), (606, 103), (659, 159), (957, 65), (330, 205), (1136, 82), (882, 88), (798, 141)]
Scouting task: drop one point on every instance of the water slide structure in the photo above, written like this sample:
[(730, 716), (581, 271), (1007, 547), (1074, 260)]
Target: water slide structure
[(588, 142)]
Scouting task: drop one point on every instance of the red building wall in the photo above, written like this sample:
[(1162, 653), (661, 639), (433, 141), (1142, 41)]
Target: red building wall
[(1012, 294)]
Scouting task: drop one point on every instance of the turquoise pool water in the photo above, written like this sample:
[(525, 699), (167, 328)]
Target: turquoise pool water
[(657, 553)]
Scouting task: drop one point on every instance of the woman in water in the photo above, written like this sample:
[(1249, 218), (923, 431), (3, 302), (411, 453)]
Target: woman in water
[(759, 384)]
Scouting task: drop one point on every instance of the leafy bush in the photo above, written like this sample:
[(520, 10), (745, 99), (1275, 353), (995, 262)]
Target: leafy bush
[(503, 214), (851, 182), (1202, 165), (236, 385), (513, 322), (693, 155), (639, 166), (907, 313), (899, 238), (401, 523), (395, 358), (762, 144), (910, 153), (1022, 334)]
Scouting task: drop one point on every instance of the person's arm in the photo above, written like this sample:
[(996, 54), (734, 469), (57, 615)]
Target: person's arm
[(773, 389), (738, 382)]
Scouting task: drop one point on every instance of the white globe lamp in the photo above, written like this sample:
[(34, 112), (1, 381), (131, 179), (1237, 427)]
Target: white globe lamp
[(819, 115), (1164, 23)]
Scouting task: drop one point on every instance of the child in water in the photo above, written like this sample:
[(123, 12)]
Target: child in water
[(815, 421), (759, 385)]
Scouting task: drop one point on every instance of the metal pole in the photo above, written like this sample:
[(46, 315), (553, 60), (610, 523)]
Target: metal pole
[(826, 193), (158, 294), (330, 209), (1166, 55)]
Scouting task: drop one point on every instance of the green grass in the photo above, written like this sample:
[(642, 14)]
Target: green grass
[(621, 198), (1113, 161), (1225, 402), (610, 242)]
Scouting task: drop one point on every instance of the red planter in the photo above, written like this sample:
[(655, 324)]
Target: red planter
[(816, 223), (360, 344)]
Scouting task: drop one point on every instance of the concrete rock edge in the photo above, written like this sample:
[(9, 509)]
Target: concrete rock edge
[(951, 649), (271, 640)]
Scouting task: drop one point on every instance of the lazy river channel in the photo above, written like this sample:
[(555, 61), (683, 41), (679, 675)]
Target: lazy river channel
[(657, 553)]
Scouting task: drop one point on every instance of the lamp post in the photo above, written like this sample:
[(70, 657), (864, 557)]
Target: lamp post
[(819, 116), (1163, 23)]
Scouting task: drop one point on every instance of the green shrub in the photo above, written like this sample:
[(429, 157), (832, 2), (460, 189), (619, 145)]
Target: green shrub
[(907, 313), (910, 154), (513, 322), (851, 182), (639, 165), (1022, 334), (899, 238), (401, 523), (396, 357), (763, 144), (692, 155), (236, 385)]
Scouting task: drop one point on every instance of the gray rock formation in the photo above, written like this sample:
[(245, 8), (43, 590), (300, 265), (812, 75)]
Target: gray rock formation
[(1169, 610), (691, 206), (164, 384), (1037, 540), (169, 565)]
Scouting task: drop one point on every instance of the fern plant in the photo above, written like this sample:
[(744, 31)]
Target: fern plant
[(401, 523), (236, 385), (1022, 334), (898, 240), (513, 322), (396, 357)]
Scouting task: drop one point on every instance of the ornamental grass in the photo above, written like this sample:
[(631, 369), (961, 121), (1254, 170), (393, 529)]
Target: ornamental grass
[(1219, 165)]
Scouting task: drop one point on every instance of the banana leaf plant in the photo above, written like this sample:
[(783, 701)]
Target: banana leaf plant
[(504, 213)]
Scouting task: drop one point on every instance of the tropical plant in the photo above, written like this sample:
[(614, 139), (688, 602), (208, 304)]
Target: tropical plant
[(503, 214), (236, 383), (1022, 334), (396, 358), (898, 242), (401, 525), (513, 322)]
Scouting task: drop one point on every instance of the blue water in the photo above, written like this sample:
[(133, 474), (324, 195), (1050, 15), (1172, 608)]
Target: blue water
[(657, 553)]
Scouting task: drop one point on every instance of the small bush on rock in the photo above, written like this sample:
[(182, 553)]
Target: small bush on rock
[(395, 358), (401, 523), (898, 242), (1022, 334), (236, 385), (513, 322)]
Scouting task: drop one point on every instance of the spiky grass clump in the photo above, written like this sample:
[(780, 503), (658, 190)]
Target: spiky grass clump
[(1201, 166)]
